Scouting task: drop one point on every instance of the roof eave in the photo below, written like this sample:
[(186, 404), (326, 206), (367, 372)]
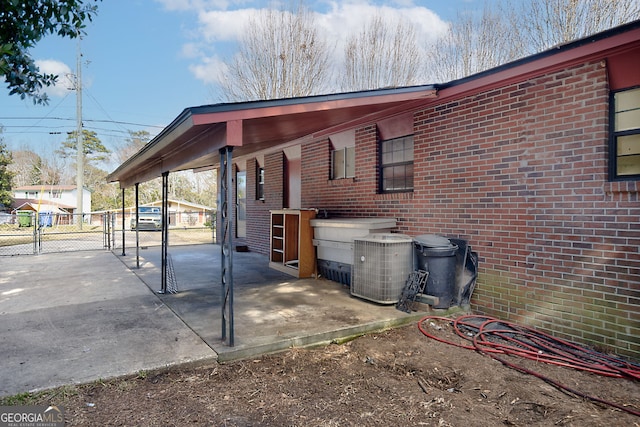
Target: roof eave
[(232, 115)]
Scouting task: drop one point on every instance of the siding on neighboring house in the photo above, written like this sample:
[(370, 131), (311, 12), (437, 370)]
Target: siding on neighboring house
[(520, 172), (64, 195)]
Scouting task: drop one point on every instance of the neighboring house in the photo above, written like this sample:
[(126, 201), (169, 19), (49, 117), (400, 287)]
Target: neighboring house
[(535, 163), (50, 198), (181, 213)]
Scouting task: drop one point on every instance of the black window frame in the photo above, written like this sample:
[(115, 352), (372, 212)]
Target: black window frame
[(404, 163), (613, 138)]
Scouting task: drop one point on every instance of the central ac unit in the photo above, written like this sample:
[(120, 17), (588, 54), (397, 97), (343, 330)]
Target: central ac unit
[(382, 263)]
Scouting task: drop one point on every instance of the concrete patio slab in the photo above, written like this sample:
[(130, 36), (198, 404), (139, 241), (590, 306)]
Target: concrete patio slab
[(272, 310)]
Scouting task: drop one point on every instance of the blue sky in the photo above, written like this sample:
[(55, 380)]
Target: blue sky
[(144, 61)]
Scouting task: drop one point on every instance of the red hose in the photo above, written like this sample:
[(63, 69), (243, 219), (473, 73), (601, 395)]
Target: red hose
[(492, 337)]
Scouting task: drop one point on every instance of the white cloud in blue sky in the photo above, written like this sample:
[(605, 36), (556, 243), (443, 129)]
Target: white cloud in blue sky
[(220, 25), (60, 69)]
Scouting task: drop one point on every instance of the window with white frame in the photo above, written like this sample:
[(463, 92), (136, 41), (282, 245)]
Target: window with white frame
[(625, 135), (343, 163), (396, 165)]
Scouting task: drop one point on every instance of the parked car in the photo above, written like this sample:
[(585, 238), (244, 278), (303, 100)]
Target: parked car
[(149, 218)]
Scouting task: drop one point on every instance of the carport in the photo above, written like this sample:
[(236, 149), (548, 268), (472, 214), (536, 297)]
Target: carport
[(210, 136)]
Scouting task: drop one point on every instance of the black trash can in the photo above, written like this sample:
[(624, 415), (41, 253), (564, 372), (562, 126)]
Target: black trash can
[(437, 255)]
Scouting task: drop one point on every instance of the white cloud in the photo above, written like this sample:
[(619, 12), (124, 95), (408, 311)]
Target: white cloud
[(191, 50), (209, 70), (347, 18), (62, 70), (220, 23)]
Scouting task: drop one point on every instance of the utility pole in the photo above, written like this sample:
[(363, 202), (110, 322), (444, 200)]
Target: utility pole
[(79, 136)]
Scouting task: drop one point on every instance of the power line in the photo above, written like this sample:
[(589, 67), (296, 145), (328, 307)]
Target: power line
[(125, 123), (40, 119), (103, 110), (84, 120), (34, 127), (115, 132)]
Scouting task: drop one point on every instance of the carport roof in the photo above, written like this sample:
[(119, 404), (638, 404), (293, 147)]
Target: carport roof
[(194, 138)]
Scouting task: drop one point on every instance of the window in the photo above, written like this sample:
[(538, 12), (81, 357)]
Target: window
[(396, 165), (31, 194), (260, 183), (241, 204), (625, 137), (343, 163)]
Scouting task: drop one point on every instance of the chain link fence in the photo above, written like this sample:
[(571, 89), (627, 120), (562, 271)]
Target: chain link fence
[(29, 233), (185, 228)]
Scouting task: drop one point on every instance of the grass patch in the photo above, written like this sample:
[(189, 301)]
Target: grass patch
[(60, 394)]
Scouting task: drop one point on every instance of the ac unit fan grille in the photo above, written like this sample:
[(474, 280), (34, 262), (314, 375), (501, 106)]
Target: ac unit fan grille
[(382, 264)]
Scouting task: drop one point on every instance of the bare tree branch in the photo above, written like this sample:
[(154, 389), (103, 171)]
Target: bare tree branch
[(548, 23), (510, 30), (475, 43), (281, 55), (383, 54)]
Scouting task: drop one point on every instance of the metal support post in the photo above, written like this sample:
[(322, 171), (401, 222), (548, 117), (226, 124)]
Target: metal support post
[(113, 228), (226, 244), (37, 241), (137, 228), (123, 224), (165, 231), (105, 230)]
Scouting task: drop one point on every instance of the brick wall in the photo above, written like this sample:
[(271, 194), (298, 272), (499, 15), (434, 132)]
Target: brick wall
[(521, 173), (258, 218)]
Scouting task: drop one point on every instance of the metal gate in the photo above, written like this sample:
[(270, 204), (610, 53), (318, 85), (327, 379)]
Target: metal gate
[(30, 233)]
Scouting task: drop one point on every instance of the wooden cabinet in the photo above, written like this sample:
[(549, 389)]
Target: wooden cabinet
[(291, 248)]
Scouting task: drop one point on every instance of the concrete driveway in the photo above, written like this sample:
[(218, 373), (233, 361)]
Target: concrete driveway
[(76, 317)]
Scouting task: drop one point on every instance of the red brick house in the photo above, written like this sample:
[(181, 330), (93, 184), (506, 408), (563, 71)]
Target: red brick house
[(536, 163)]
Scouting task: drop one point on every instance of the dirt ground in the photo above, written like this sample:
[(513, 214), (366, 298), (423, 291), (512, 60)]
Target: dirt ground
[(398, 377)]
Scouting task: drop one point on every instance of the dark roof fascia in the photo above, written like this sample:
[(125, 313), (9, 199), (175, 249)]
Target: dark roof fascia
[(283, 102), (545, 54)]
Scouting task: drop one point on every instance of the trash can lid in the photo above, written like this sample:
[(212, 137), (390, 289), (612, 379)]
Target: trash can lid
[(433, 241)]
